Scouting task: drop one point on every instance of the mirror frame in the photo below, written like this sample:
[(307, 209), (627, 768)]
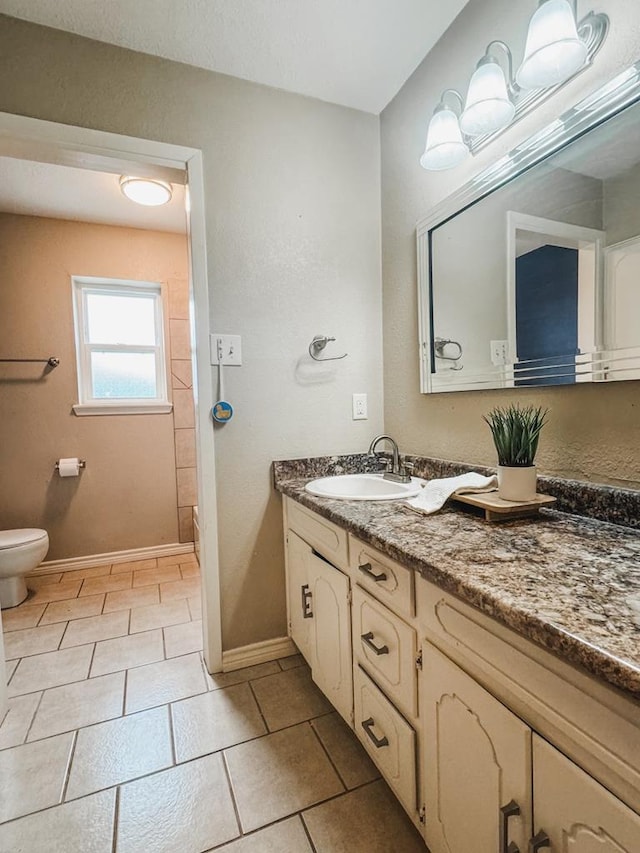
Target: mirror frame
[(604, 103)]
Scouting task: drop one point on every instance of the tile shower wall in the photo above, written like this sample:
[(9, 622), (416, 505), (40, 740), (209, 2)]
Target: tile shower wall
[(183, 404)]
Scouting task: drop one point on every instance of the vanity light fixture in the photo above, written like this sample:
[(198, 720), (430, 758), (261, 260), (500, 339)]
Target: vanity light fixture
[(489, 107), (151, 192), (445, 146), (557, 48), (554, 50)]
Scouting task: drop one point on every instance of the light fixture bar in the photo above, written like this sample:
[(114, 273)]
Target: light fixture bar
[(592, 29)]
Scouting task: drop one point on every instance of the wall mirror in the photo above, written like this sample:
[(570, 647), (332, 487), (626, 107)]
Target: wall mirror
[(530, 273)]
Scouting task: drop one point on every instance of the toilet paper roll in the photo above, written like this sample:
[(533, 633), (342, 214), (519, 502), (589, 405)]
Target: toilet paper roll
[(69, 467)]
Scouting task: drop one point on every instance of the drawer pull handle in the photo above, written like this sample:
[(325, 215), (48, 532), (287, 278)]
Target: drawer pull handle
[(368, 640), (510, 810), (367, 569), (306, 602), (539, 841), (378, 742)]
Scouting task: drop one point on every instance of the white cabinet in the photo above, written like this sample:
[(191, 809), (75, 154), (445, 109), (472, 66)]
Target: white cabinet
[(465, 744), (320, 621), (298, 560), (331, 665), (477, 764), (387, 737), (492, 782), (573, 813), (385, 647)]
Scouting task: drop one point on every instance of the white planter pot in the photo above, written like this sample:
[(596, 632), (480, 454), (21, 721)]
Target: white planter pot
[(517, 484)]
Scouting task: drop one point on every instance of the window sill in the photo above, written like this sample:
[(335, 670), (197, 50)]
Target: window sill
[(82, 409)]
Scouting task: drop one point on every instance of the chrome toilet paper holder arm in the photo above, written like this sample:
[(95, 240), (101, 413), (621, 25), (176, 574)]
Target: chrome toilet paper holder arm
[(81, 464)]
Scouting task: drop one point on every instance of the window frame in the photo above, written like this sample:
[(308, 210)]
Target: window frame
[(88, 404)]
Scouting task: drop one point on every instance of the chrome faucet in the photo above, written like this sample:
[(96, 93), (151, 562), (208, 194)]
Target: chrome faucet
[(398, 473)]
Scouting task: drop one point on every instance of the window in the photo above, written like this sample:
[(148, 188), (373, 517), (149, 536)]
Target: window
[(119, 347)]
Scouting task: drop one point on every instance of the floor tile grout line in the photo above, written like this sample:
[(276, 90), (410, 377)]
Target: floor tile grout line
[(328, 754), (232, 793), (116, 818), (67, 774), (124, 692), (172, 737), (307, 832), (94, 725), (33, 719), (255, 699)]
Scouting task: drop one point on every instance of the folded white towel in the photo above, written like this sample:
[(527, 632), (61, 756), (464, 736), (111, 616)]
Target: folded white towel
[(436, 493)]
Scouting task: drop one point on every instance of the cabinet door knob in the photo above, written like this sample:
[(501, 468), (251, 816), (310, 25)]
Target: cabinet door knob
[(539, 841), (306, 602), (367, 569), (510, 810), (378, 742), (367, 639)]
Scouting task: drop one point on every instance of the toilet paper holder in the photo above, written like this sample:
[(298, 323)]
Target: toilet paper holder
[(81, 464)]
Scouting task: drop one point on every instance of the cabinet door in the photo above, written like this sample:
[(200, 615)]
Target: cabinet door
[(331, 635), (298, 559), (576, 813), (477, 760)]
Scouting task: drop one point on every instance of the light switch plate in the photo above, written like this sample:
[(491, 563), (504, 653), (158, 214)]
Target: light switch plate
[(227, 346)]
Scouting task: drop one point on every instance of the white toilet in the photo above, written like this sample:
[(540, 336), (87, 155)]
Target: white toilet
[(20, 552)]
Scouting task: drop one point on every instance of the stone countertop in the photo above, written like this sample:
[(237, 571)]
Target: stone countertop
[(570, 584)]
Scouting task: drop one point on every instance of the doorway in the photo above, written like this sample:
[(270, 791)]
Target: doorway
[(45, 142)]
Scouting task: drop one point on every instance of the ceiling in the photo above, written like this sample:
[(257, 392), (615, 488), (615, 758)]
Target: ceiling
[(62, 192), (357, 53)]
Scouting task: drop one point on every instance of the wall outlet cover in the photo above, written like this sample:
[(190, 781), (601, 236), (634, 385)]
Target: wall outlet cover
[(359, 407)]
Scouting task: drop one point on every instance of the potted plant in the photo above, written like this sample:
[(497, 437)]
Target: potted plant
[(515, 432)]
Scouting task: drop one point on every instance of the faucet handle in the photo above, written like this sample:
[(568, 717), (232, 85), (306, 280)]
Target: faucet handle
[(409, 467), (384, 463)]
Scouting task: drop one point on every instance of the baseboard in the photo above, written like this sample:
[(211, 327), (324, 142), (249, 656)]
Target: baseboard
[(51, 566), (282, 647)]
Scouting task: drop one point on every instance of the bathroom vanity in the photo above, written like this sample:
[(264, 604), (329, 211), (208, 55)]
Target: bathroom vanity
[(492, 672)]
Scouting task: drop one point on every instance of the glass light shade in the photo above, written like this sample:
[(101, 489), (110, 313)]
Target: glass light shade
[(148, 191), (554, 51), (488, 107), (445, 146)]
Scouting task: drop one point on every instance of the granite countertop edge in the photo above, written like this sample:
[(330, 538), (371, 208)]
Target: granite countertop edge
[(363, 519)]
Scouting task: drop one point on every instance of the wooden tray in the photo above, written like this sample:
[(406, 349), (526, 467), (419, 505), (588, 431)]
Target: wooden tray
[(497, 509)]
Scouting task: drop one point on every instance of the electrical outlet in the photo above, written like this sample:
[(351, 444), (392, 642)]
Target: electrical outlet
[(499, 352), (359, 404), (226, 349)]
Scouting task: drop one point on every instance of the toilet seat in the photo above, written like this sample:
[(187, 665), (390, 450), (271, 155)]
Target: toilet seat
[(21, 536)]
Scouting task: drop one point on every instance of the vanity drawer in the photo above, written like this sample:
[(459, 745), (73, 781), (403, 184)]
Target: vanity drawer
[(387, 580), (385, 646), (387, 737), (324, 537)]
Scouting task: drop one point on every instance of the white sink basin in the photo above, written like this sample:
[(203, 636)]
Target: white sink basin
[(364, 487)]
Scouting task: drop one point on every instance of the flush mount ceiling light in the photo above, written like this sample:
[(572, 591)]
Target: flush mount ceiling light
[(148, 191), (557, 48)]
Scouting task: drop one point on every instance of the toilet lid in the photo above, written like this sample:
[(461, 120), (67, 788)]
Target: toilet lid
[(11, 538)]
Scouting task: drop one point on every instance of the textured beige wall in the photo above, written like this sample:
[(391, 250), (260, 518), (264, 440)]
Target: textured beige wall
[(594, 431), (126, 496), (293, 235)]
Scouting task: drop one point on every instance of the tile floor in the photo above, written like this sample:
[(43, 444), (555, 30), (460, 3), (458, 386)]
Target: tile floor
[(118, 741)]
